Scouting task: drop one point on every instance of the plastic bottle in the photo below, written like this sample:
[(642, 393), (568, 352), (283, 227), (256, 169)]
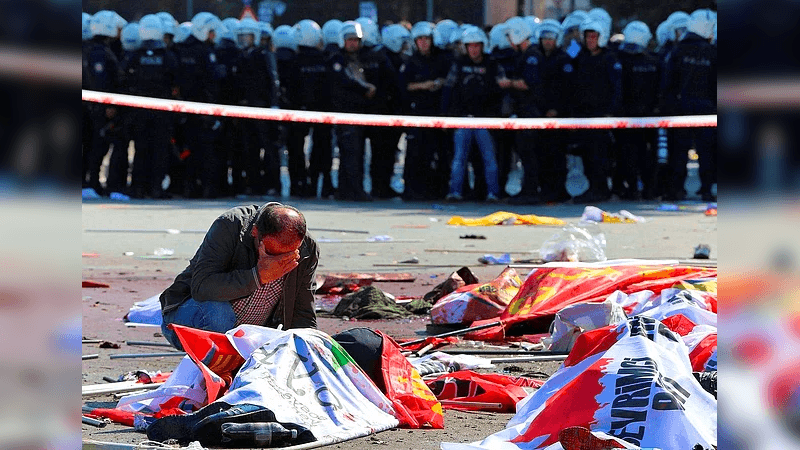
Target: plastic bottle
[(257, 434)]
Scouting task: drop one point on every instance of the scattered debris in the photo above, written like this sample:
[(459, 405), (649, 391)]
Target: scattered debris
[(505, 218), (702, 251), (595, 214), (413, 260), (491, 259), (472, 236), (94, 284), (108, 344), (92, 356)]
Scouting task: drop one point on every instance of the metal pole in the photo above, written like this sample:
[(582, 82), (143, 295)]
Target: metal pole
[(454, 333), (146, 355), (190, 9), (429, 13)]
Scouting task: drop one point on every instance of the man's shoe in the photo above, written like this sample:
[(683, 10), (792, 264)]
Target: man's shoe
[(89, 194), (119, 196), (453, 198)]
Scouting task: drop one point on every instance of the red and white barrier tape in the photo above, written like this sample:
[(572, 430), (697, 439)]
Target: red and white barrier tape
[(288, 115)]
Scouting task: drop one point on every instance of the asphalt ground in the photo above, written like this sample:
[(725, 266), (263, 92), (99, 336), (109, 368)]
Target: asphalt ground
[(127, 261)]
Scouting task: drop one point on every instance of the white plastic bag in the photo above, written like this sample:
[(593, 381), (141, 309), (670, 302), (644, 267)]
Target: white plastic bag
[(582, 242)]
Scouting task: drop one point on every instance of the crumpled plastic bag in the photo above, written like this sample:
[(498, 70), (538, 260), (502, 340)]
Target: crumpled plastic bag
[(574, 243)]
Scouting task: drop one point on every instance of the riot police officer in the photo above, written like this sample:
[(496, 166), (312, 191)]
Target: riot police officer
[(150, 71), (350, 92)]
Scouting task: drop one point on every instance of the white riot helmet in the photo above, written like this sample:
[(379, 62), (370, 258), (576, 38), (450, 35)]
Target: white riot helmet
[(130, 37), (151, 28), (603, 17), (230, 24), (677, 24), (701, 23), (104, 23), (86, 29), (169, 23), (372, 36), (599, 27), (662, 33), (533, 22), (518, 30), (573, 20), (394, 36), (637, 33), (422, 28), (473, 35), (309, 34), (248, 26), (184, 31), (119, 22), (202, 25), (549, 28), (330, 31), (285, 37), (442, 32), (350, 29), (498, 37)]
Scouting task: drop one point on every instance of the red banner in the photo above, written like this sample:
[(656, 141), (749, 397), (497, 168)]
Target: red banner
[(547, 290)]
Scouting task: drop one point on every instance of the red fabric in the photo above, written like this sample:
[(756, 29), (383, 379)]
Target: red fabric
[(469, 386), (214, 355), (114, 415), (679, 324), (547, 290), (477, 301), (94, 284), (437, 342), (415, 404), (702, 352), (591, 343)]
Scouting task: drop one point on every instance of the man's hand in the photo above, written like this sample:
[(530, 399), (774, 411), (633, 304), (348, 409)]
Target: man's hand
[(272, 267)]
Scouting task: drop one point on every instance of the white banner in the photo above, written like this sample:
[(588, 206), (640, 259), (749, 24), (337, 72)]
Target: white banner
[(633, 382)]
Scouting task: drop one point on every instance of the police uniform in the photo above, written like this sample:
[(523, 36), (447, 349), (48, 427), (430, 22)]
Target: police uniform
[(348, 94), (103, 74), (309, 90), (427, 164), (555, 70), (260, 87), (505, 140), (597, 93), (530, 103), (227, 72), (379, 71), (637, 153), (150, 72), (198, 82), (690, 87)]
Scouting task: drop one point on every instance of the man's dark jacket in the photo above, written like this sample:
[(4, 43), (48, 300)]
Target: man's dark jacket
[(224, 269)]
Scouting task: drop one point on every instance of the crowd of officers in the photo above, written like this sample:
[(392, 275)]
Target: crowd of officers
[(524, 67)]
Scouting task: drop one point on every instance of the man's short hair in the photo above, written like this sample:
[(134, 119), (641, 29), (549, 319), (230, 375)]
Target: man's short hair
[(275, 221)]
